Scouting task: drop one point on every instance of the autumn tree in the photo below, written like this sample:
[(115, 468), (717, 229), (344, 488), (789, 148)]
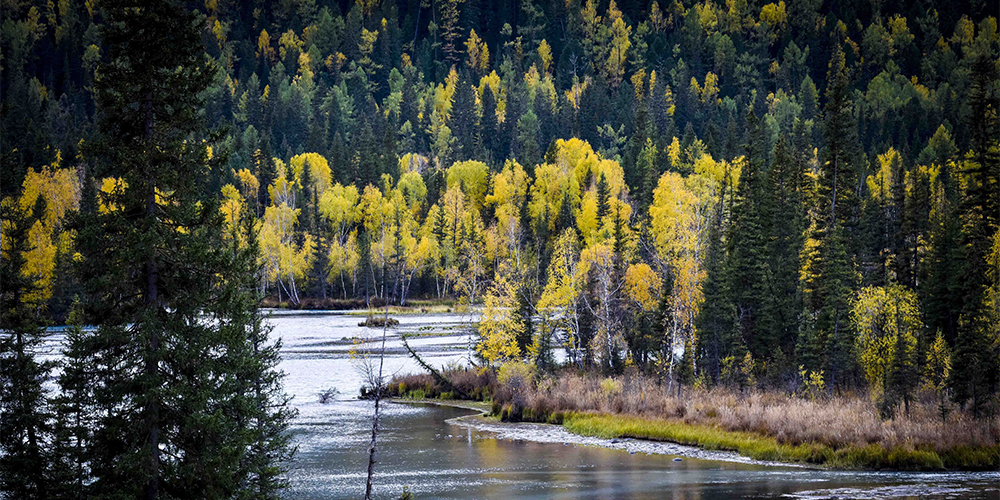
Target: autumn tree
[(888, 322)]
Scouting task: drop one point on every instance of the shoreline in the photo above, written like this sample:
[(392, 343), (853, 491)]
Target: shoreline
[(559, 434), (615, 436)]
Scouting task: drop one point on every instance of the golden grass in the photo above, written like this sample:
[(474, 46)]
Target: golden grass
[(762, 447)]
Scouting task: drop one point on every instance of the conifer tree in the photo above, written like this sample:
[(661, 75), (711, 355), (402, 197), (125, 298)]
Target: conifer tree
[(25, 416), (463, 121), (975, 378), (746, 264), (175, 328), (829, 289), (788, 224), (715, 318)]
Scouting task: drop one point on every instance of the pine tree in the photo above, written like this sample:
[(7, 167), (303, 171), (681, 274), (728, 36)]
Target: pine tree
[(488, 128), (76, 413), (976, 374), (715, 317), (903, 375), (463, 121), (788, 224), (746, 265), (25, 414), (256, 398), (830, 288), (166, 293), (647, 166)]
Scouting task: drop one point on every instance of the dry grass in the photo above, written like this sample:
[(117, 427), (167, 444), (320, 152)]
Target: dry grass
[(843, 431), (835, 422)]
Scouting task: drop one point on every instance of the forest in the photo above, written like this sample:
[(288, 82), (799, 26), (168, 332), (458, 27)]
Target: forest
[(713, 193)]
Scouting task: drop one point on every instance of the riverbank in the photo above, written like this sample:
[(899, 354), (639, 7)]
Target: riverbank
[(483, 421), (840, 433), (363, 307)]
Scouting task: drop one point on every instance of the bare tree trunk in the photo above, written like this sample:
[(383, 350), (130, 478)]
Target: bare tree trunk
[(378, 386)]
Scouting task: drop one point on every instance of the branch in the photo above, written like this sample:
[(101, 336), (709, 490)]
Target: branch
[(434, 373)]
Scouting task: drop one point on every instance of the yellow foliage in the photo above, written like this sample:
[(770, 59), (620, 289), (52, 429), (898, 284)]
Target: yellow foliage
[(938, 365), (338, 204), (774, 14), (479, 53), (880, 183), (515, 373), (472, 177), (231, 208), (40, 262), (411, 186), (319, 170), (264, 48), (499, 326), (492, 81), (642, 285), (545, 55), (881, 315), (574, 94), (110, 186), (282, 191), (674, 152), (249, 185), (60, 190), (412, 162), (343, 257)]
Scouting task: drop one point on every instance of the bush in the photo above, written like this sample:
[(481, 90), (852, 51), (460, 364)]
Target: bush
[(379, 322), (328, 396)]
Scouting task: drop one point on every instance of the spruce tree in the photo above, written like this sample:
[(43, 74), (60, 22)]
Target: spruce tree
[(829, 289), (788, 224), (976, 374), (25, 416), (746, 264), (715, 317), (463, 121), (487, 128), (168, 296)]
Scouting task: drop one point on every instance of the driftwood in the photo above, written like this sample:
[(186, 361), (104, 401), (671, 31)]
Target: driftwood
[(434, 373)]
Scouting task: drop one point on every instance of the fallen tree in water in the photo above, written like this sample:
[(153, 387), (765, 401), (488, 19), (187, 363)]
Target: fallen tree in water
[(438, 378)]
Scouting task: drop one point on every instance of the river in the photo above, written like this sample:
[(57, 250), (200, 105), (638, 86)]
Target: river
[(420, 450)]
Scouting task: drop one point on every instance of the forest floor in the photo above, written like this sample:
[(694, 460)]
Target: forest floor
[(841, 432)]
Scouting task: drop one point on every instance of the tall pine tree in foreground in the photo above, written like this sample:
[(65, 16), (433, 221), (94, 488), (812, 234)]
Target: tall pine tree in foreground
[(25, 420), (185, 395)]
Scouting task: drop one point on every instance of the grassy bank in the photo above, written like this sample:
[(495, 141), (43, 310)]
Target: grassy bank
[(761, 447), (839, 432)]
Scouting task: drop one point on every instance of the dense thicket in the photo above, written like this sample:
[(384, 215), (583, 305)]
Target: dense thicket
[(757, 186)]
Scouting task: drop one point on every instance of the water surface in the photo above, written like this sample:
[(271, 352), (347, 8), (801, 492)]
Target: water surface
[(418, 449)]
